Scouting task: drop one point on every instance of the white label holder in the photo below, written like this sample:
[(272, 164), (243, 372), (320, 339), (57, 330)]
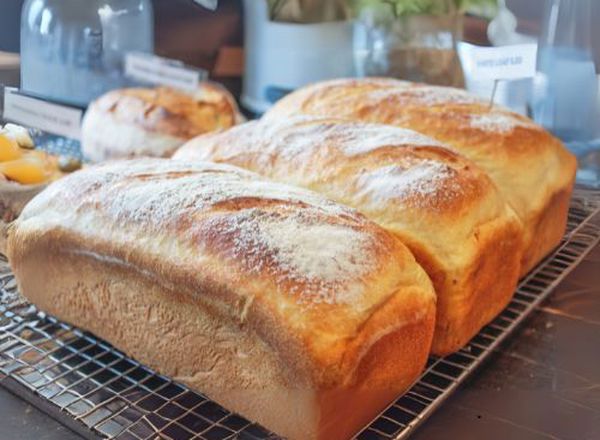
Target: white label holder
[(208, 4), (156, 70), (500, 63), (36, 113)]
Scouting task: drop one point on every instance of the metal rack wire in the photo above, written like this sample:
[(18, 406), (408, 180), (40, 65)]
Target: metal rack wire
[(101, 393)]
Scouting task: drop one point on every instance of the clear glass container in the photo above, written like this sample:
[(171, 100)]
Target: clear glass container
[(567, 85), (565, 96), (414, 47), (308, 11), (72, 50)]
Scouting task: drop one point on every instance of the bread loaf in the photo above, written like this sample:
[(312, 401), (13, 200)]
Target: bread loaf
[(438, 203), (532, 169), (138, 122), (290, 309)]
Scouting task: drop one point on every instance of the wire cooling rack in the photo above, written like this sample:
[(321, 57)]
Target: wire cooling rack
[(101, 393)]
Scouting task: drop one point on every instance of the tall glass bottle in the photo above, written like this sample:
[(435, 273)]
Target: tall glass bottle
[(565, 98)]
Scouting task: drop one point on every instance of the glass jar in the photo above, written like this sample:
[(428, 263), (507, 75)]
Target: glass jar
[(313, 11), (72, 50), (566, 95), (567, 85), (415, 47)]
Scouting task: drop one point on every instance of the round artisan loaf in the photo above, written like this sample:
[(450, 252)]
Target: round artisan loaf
[(532, 169), (154, 122)]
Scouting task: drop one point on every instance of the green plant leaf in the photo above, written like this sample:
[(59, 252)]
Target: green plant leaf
[(411, 7)]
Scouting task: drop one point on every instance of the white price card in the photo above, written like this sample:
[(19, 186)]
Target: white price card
[(500, 63), (208, 4), (42, 115), (162, 71)]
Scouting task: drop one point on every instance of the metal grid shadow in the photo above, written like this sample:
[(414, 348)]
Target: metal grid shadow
[(101, 393)]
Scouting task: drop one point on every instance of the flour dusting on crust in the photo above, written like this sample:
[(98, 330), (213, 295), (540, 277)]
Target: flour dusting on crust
[(423, 95), (316, 249), (364, 138), (291, 249), (157, 191), (306, 135), (421, 181), (498, 122)]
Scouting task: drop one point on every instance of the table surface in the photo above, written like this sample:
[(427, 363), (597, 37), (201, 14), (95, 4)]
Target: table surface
[(544, 383)]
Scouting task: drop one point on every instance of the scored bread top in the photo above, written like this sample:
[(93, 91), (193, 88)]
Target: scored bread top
[(305, 273), (403, 180), (168, 111)]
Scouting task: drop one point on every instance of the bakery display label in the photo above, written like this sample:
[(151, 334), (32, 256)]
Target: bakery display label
[(500, 63), (42, 115), (151, 69)]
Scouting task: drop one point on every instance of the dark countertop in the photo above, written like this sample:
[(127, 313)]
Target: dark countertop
[(21, 421), (544, 383)]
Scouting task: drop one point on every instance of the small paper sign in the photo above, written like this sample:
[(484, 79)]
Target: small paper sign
[(162, 71), (42, 115), (208, 4), (501, 63)]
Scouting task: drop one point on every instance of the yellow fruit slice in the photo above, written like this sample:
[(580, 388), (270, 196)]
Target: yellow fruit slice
[(9, 149), (28, 170)]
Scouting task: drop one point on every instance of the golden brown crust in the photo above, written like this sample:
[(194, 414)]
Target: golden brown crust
[(529, 165), (183, 338), (323, 152), (481, 291), (441, 205), (201, 254), (339, 418), (549, 229)]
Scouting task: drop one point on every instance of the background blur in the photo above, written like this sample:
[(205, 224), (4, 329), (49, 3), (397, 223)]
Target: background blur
[(190, 33), (183, 31)]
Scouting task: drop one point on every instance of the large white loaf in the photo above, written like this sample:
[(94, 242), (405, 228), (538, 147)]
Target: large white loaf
[(277, 303)]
